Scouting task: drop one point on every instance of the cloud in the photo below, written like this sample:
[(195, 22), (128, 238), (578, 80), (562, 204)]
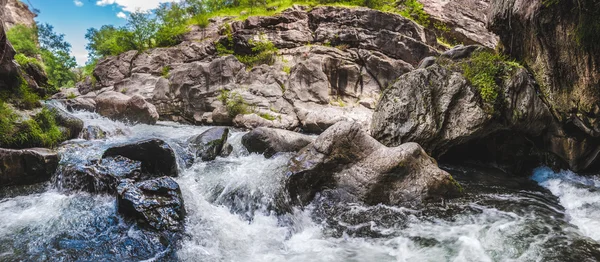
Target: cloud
[(122, 15), (134, 5), (78, 3)]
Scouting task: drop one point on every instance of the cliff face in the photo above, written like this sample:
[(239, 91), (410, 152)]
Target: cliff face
[(15, 12), (8, 69)]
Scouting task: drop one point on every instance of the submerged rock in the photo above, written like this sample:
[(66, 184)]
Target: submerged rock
[(92, 133), (210, 143), (346, 159), (158, 203), (269, 141), (27, 166), (157, 157)]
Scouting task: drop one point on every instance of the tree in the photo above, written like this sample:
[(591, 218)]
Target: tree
[(108, 40), (142, 28), (50, 40), (172, 24), (59, 64)]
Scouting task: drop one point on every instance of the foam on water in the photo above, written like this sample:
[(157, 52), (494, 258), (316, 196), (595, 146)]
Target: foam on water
[(580, 196), (233, 215)]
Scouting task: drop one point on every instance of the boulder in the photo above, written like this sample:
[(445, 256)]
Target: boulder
[(72, 124), (99, 176), (157, 157), (118, 106), (345, 159), (92, 133), (113, 69), (208, 145), (27, 166), (158, 203), (269, 141)]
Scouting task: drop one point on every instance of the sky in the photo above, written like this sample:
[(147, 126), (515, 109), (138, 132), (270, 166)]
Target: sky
[(73, 17)]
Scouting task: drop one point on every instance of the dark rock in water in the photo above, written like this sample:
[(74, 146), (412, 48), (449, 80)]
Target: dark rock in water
[(209, 144), (92, 133), (270, 141), (72, 124), (157, 202), (227, 150), (27, 166), (157, 157), (100, 176), (347, 159)]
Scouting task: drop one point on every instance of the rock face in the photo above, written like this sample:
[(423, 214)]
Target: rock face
[(465, 20), (122, 107), (547, 37), (27, 166), (15, 12), (9, 73), (157, 156), (347, 160), (269, 141), (70, 124), (158, 203), (209, 144), (331, 66)]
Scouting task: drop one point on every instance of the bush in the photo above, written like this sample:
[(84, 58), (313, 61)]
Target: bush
[(25, 61), (165, 71), (40, 131), (263, 52), (234, 103), (414, 10), (24, 40)]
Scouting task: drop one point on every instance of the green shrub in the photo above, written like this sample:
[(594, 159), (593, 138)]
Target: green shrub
[(486, 70), (26, 98), (267, 116), (25, 61), (234, 103), (414, 10), (24, 40), (165, 71), (40, 131), (71, 96), (263, 52)]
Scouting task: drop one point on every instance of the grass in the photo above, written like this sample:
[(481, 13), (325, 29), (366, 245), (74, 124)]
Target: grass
[(25, 61), (40, 131), (233, 102), (71, 96), (263, 50), (165, 71), (414, 10), (287, 69), (267, 116), (486, 70)]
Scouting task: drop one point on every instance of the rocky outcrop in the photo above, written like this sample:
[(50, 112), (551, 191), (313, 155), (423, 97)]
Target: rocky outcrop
[(122, 107), (345, 159), (462, 21), (27, 166), (157, 203), (557, 42), (157, 156), (269, 141), (9, 72), (71, 126), (208, 145), (15, 12), (331, 65)]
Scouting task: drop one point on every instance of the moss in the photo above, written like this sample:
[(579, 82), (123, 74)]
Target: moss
[(233, 102), (456, 184), (165, 71), (486, 70), (287, 69), (40, 131), (25, 61), (71, 96), (267, 116), (26, 98)]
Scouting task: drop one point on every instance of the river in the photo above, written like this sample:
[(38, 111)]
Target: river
[(544, 216)]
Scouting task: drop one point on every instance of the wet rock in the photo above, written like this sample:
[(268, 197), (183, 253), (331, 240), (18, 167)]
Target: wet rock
[(209, 144), (80, 104), (157, 203), (157, 157), (27, 166), (122, 107), (92, 133), (99, 176), (72, 124), (346, 159), (269, 141)]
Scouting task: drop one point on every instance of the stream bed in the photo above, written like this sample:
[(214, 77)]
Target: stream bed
[(544, 216)]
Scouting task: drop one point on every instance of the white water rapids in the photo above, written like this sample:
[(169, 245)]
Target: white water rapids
[(230, 216)]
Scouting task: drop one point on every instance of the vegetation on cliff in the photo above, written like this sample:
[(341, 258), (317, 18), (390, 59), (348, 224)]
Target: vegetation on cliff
[(40, 130)]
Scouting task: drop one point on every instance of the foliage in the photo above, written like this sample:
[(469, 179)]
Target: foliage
[(107, 41), (165, 71), (233, 102), (59, 67), (24, 40), (40, 131), (263, 52), (71, 96), (485, 70), (267, 116), (414, 10), (171, 24), (287, 69), (25, 61)]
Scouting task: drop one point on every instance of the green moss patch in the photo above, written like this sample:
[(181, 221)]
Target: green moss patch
[(40, 131)]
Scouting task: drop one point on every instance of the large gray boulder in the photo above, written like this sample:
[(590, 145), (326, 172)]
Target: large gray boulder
[(118, 106), (347, 160), (27, 166), (269, 141), (114, 68)]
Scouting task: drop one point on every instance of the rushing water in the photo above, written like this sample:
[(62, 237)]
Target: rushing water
[(232, 216)]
